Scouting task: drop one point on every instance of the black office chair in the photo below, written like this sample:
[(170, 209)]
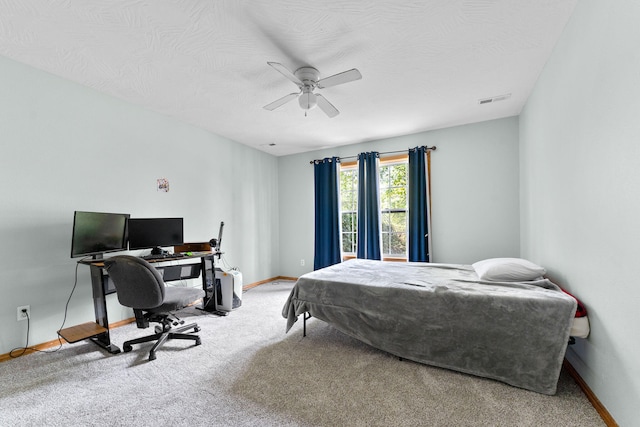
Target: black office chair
[(140, 286)]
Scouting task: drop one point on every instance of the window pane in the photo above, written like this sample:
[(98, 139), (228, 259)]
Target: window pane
[(348, 242), (385, 198), (348, 201), (397, 198), (385, 243), (398, 244), (398, 175), (384, 176), (398, 221), (349, 222), (385, 219)]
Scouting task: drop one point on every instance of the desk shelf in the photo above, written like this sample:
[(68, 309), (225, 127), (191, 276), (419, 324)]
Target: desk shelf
[(81, 332)]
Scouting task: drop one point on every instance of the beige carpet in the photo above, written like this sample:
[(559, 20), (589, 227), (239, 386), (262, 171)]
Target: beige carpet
[(247, 372)]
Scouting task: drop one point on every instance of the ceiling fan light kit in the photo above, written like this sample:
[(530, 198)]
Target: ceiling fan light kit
[(307, 99), (307, 79)]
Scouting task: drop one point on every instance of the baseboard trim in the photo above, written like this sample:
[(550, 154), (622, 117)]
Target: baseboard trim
[(54, 343), (262, 282), (599, 407), (59, 341), (31, 349)]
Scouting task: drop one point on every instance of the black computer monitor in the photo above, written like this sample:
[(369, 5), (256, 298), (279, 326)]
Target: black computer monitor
[(145, 233), (95, 233)]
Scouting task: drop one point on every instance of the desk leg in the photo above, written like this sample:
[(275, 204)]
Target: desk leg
[(100, 309), (208, 284), (104, 341)]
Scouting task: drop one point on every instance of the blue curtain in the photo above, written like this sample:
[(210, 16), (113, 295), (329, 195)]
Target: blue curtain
[(369, 229), (418, 205), (327, 213)]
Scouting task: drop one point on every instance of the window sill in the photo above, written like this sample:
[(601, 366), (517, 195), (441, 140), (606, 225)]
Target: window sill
[(395, 259), (391, 259)]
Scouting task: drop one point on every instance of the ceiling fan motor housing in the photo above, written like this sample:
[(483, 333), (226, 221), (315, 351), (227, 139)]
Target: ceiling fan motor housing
[(308, 76)]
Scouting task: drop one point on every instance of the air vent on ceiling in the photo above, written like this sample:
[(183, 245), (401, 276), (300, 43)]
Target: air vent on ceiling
[(494, 99)]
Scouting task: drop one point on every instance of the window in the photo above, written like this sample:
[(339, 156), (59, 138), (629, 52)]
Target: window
[(349, 207), (393, 206)]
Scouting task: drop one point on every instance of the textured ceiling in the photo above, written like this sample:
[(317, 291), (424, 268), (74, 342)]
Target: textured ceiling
[(425, 64)]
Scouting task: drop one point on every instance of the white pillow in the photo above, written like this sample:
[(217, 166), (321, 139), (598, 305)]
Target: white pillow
[(508, 269)]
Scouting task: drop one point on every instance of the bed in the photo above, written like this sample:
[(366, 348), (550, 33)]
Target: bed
[(458, 317)]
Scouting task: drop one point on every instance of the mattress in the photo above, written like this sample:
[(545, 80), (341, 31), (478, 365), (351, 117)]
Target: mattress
[(444, 315)]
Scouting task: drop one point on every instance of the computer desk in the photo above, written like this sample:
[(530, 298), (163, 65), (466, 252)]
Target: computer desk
[(178, 268)]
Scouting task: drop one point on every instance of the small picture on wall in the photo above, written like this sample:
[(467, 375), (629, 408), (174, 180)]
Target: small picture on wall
[(163, 185)]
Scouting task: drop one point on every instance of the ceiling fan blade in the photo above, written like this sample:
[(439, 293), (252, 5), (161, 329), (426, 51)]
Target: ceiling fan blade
[(280, 102), (340, 78), (285, 72), (326, 106)]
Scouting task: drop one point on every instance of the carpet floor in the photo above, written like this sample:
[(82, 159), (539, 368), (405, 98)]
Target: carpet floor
[(248, 372)]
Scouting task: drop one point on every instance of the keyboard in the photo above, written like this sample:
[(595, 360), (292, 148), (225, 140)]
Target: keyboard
[(161, 256)]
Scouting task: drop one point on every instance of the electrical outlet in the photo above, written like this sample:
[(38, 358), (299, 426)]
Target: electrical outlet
[(23, 312), (302, 262)]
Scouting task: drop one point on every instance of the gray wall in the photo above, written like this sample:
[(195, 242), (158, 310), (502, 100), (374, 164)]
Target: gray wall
[(474, 189), (566, 197), (580, 190), (66, 147)]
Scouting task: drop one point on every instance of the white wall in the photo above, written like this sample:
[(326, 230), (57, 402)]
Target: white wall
[(66, 147), (580, 187), (474, 189)]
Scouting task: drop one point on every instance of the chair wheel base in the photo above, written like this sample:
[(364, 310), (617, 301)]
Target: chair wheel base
[(160, 338)]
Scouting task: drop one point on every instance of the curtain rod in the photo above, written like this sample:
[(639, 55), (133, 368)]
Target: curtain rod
[(387, 152)]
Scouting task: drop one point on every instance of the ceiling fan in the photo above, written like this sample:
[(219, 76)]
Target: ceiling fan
[(307, 80)]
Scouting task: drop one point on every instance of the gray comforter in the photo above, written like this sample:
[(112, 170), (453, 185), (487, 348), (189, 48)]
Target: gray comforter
[(443, 315)]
